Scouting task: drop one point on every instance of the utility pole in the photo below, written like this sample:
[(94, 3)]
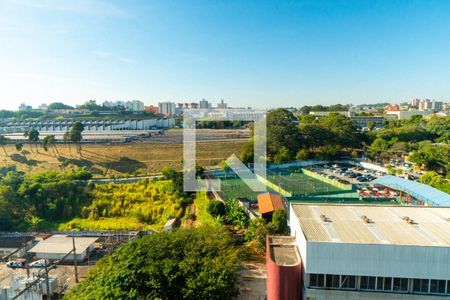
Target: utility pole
[(46, 281), (75, 259)]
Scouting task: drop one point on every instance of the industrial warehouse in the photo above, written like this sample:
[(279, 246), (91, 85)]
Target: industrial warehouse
[(89, 125), (361, 252)]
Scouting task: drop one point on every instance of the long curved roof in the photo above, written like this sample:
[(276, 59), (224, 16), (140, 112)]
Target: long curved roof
[(417, 190)]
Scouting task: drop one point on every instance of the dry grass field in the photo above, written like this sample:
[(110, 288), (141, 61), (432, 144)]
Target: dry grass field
[(106, 160)]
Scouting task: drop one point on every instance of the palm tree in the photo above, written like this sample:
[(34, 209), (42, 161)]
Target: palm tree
[(67, 140), (33, 136), (49, 141), (3, 141), (52, 143), (19, 147), (76, 134)]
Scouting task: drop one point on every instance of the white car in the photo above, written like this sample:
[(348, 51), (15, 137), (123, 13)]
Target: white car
[(42, 263), (18, 263)]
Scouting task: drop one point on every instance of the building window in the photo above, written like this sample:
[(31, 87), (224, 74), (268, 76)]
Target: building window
[(437, 286), (368, 282), (401, 284), (316, 280), (348, 282), (421, 285), (384, 283), (332, 281)]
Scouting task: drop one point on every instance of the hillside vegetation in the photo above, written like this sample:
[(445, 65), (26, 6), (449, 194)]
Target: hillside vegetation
[(136, 206), (64, 200)]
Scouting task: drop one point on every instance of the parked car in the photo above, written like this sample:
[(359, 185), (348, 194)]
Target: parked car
[(42, 263), (17, 263), (343, 181), (362, 179)]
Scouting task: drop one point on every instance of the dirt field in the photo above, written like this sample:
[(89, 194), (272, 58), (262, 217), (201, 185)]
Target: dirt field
[(105, 160), (252, 281)]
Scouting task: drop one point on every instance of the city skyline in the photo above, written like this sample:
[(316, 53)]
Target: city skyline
[(250, 54)]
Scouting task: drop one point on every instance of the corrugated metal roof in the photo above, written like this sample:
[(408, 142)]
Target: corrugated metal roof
[(365, 224), (417, 190)]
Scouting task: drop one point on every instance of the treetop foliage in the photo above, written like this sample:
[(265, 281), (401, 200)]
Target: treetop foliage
[(197, 263)]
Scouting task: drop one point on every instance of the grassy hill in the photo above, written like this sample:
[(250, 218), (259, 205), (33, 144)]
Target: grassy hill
[(115, 160), (133, 206)]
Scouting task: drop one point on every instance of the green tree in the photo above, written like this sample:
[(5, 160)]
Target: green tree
[(235, 214), (58, 105), (302, 154), (50, 141), (76, 135), (282, 131), (197, 263), (257, 231), (247, 155), (19, 147), (32, 136), (282, 156), (279, 221), (216, 208), (371, 125), (3, 141)]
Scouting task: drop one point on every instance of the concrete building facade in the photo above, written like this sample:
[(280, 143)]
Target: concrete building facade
[(167, 108)]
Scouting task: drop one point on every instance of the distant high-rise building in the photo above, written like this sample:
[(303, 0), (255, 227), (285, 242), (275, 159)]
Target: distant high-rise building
[(425, 104), (222, 105), (204, 104), (191, 105), (24, 107), (43, 107), (134, 105), (436, 105), (393, 107), (415, 102), (167, 108)]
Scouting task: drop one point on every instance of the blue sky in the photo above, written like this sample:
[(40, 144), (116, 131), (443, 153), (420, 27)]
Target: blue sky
[(250, 53)]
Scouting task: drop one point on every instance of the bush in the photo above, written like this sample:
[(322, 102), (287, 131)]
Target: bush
[(257, 231), (216, 208), (197, 263), (279, 221), (235, 214)]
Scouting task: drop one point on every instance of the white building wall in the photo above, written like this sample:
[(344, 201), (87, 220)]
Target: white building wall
[(378, 260), (298, 233), (323, 294)]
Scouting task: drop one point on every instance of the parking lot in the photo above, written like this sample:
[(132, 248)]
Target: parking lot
[(347, 174)]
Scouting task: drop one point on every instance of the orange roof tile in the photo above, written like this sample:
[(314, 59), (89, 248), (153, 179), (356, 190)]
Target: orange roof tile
[(269, 202)]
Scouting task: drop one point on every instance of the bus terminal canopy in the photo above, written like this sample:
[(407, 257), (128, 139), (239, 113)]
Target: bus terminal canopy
[(418, 190)]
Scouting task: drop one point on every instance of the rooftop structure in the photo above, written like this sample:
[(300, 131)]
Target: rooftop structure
[(269, 202), (10, 244), (372, 252), (425, 193), (394, 225), (283, 268), (57, 246)]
